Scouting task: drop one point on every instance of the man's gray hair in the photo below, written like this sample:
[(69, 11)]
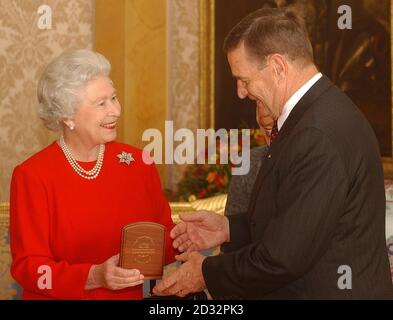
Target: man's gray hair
[(272, 30), (62, 84)]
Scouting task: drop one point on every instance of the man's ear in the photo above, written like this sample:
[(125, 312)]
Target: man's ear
[(280, 66)]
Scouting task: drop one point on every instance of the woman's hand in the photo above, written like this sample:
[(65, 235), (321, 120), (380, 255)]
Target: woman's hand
[(110, 276)]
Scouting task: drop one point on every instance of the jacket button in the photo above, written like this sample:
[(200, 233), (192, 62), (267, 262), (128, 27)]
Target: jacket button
[(253, 223), (269, 156)]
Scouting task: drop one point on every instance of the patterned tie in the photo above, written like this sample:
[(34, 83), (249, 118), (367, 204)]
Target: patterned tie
[(274, 133)]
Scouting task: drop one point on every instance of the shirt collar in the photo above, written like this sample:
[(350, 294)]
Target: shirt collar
[(292, 101)]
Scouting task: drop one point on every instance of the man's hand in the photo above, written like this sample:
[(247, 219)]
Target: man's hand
[(187, 279), (200, 230)]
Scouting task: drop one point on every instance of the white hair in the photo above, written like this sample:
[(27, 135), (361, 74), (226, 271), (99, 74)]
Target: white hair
[(63, 81)]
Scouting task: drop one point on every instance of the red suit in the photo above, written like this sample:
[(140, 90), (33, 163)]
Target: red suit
[(60, 220)]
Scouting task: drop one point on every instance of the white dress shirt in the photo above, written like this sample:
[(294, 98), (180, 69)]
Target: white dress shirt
[(292, 101)]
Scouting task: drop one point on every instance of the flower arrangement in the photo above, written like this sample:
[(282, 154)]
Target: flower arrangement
[(206, 180)]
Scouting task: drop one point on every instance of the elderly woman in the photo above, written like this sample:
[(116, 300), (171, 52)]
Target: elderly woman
[(70, 201)]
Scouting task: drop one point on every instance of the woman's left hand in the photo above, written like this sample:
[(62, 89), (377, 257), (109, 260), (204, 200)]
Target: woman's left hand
[(110, 276)]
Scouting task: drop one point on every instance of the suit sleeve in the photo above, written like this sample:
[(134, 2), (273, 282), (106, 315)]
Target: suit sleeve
[(310, 198), (164, 213), (239, 233), (34, 267)]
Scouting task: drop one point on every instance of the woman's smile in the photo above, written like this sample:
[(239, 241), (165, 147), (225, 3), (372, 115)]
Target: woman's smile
[(110, 126)]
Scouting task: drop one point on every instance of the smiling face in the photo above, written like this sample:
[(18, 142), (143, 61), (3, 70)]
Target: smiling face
[(255, 82), (95, 120)]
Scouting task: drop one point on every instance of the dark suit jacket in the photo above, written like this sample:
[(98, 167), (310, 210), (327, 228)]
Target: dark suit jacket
[(318, 204)]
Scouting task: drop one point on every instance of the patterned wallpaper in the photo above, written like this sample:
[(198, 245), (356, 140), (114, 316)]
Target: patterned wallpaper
[(183, 71), (24, 50)]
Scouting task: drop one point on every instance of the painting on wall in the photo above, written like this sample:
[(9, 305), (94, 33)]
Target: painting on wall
[(357, 60)]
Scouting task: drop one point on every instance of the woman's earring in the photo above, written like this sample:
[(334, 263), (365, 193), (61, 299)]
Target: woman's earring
[(72, 126)]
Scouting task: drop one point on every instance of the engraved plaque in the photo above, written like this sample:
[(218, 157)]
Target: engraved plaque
[(143, 248)]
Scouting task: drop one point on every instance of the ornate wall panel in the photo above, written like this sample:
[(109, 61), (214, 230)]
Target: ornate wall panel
[(24, 51), (183, 71)]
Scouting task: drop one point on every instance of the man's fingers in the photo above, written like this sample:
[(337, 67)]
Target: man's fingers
[(180, 240), (176, 289), (165, 284), (185, 245), (197, 216), (192, 247), (182, 293), (183, 257), (178, 230)]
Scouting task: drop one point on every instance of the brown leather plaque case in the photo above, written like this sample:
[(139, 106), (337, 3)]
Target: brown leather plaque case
[(143, 248)]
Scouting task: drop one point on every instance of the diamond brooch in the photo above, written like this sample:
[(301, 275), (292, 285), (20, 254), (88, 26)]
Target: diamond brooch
[(125, 157)]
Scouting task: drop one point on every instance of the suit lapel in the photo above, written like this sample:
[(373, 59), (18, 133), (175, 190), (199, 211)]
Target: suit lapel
[(294, 117)]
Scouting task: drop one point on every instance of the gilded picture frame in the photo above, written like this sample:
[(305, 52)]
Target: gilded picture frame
[(206, 67), (388, 161)]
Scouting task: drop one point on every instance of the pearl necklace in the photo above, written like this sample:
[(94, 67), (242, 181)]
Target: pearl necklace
[(86, 174)]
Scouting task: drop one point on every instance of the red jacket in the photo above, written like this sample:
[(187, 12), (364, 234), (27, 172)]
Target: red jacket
[(60, 220)]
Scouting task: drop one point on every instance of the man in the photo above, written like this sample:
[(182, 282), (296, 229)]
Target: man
[(315, 227)]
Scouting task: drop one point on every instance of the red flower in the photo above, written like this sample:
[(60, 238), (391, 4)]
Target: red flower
[(219, 181), (202, 194)]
